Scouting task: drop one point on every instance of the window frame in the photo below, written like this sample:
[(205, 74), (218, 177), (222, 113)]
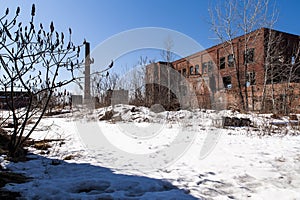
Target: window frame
[(191, 70), (230, 61)]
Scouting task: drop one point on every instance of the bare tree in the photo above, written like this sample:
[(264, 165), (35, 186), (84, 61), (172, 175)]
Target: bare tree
[(282, 71), (293, 76), (138, 82), (167, 54), (102, 85), (168, 57), (273, 64), (234, 18), (32, 61)]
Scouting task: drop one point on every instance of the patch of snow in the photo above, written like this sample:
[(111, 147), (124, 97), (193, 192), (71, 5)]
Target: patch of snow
[(243, 164)]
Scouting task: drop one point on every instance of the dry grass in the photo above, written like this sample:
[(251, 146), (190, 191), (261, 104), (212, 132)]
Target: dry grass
[(41, 145), (7, 176)]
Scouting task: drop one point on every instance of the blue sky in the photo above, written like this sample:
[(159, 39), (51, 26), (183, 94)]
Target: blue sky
[(100, 19)]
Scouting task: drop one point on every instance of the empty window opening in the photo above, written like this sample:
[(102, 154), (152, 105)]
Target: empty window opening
[(222, 63), (227, 82), (191, 70), (184, 72), (230, 60)]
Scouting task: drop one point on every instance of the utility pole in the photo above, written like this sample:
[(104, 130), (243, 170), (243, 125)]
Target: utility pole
[(87, 73)]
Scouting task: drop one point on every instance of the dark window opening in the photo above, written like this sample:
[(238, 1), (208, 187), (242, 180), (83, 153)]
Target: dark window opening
[(222, 63), (250, 79), (230, 60), (179, 71), (184, 72), (227, 82), (196, 69), (249, 56), (191, 70)]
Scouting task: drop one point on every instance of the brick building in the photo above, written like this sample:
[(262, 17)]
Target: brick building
[(257, 71)]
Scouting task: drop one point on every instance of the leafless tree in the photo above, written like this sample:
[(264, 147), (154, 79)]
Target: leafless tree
[(282, 71), (32, 62), (168, 56), (291, 76), (137, 82), (102, 84), (273, 65)]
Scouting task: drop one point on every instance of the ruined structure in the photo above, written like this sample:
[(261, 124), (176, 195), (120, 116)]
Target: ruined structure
[(259, 71)]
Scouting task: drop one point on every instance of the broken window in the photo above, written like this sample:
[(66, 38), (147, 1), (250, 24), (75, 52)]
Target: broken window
[(230, 60), (227, 82), (249, 56), (196, 69), (222, 63), (184, 72), (250, 79), (191, 69)]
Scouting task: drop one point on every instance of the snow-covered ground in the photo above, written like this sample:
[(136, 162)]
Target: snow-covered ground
[(169, 155)]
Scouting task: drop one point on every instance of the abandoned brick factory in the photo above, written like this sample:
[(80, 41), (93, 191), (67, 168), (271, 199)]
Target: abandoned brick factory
[(258, 71)]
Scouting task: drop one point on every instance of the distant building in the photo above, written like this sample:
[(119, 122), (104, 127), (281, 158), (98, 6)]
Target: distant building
[(21, 99), (76, 100), (216, 75)]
